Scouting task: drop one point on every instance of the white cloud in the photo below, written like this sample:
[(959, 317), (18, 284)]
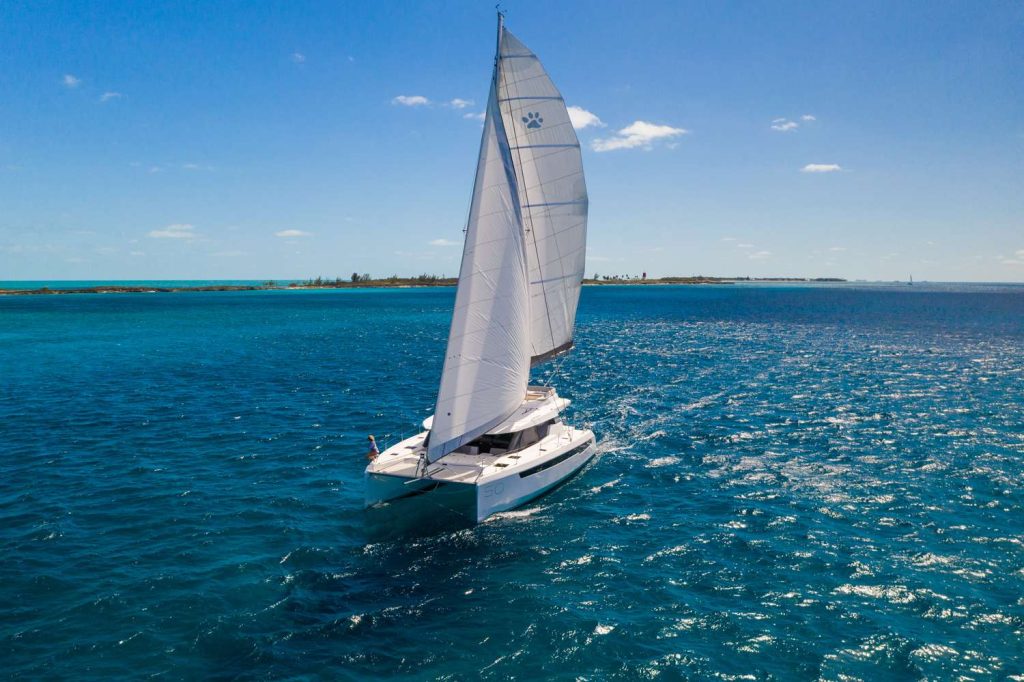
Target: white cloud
[(808, 117), (290, 234), (637, 134), (443, 242), (784, 125), (728, 239), (837, 248), (581, 118), (136, 253), (411, 100), (744, 246), (229, 254), (821, 168), (459, 103), (298, 57), (71, 81), (107, 96), (175, 231), (475, 117), (759, 255)]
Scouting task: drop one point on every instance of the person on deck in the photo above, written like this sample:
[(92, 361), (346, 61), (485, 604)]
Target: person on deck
[(372, 454)]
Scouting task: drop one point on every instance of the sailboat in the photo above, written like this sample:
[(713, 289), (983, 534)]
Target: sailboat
[(494, 438)]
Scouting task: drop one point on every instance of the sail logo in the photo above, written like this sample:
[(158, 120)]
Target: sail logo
[(533, 119)]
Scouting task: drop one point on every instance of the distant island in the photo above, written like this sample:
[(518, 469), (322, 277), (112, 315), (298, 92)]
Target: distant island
[(365, 281)]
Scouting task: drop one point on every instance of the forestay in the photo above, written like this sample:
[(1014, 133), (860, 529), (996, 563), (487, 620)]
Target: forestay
[(487, 363), (552, 194)]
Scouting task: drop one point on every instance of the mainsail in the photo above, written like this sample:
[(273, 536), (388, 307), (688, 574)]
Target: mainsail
[(552, 194), (523, 260)]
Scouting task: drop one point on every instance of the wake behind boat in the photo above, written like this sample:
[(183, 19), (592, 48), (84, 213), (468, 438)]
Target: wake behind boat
[(493, 437)]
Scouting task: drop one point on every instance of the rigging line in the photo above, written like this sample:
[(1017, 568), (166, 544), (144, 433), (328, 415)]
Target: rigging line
[(533, 234)]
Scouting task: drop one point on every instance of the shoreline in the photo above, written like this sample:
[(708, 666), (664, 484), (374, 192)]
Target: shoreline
[(386, 284)]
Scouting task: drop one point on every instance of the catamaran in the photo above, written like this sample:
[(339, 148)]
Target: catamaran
[(495, 438)]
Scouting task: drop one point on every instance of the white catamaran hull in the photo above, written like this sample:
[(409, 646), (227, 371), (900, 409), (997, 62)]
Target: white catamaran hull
[(517, 488), (489, 482)]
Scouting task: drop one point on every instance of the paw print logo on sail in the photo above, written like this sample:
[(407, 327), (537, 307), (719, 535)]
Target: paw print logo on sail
[(533, 119)]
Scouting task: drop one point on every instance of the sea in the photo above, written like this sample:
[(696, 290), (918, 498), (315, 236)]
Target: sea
[(794, 482)]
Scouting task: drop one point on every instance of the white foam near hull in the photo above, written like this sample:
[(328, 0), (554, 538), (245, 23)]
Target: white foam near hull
[(501, 481)]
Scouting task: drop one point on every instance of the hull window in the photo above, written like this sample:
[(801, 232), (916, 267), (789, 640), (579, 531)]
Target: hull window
[(557, 460)]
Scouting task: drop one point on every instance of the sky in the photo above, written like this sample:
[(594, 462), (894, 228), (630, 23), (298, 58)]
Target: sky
[(286, 140)]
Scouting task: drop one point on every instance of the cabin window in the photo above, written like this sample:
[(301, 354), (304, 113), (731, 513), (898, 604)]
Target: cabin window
[(509, 442), (531, 436), (492, 441)]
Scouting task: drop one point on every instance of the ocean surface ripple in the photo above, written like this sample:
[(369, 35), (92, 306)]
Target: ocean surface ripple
[(794, 482)]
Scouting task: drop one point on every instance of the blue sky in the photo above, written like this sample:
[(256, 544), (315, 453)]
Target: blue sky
[(252, 140)]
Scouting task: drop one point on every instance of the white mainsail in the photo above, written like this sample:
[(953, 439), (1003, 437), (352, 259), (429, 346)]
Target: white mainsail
[(552, 194), (522, 264)]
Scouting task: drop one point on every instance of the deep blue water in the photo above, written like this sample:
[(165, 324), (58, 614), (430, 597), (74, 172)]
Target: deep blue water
[(795, 482)]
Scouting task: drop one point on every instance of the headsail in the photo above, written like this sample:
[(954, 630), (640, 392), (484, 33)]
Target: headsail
[(487, 363), (552, 193)]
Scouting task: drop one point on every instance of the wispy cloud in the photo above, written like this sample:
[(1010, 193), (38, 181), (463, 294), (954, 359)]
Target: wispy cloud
[(136, 253), (71, 81), (292, 234), (759, 255), (298, 58), (1017, 259), (638, 134), (837, 248), (109, 95), (460, 103), (728, 239), (821, 168), (175, 231), (808, 117), (475, 117), (744, 246), (784, 125), (443, 242), (411, 100), (581, 118)]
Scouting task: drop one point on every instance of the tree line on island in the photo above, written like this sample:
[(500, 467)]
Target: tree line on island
[(365, 280)]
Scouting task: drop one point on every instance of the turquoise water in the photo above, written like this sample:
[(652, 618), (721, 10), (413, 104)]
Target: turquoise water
[(794, 482)]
